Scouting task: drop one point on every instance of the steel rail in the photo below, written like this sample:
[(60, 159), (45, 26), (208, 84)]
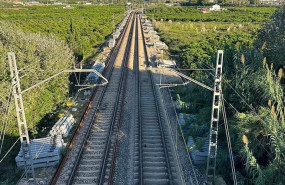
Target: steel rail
[(82, 119), (120, 87), (139, 105), (94, 116), (113, 164), (158, 112)]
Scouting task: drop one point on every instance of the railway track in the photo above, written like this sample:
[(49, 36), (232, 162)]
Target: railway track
[(94, 163), (90, 156), (154, 163)]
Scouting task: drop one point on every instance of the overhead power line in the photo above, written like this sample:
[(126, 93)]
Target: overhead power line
[(9, 150), (229, 142), (252, 109), (5, 121), (182, 135)]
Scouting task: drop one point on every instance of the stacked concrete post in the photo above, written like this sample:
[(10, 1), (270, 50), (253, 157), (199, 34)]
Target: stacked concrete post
[(98, 66), (45, 152), (62, 126)]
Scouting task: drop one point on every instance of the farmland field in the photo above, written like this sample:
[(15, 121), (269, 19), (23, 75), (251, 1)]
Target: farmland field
[(231, 14), (84, 28), (253, 82), (189, 30), (46, 40), (49, 39)]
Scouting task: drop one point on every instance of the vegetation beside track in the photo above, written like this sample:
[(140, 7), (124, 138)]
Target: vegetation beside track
[(253, 67), (46, 40), (191, 13), (84, 28)]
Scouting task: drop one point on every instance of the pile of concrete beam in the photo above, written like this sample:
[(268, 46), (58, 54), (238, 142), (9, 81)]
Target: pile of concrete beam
[(45, 152), (62, 126), (152, 32), (166, 63), (152, 38), (199, 156), (98, 66), (112, 43), (184, 118), (160, 45), (118, 31), (123, 23), (116, 35), (147, 21)]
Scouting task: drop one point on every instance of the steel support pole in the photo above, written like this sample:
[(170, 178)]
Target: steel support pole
[(213, 133), (21, 118)]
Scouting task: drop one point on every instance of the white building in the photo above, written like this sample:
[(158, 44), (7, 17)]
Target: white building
[(216, 7)]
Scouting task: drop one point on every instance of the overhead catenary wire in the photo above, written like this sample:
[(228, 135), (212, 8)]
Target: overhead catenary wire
[(244, 101), (226, 82), (261, 142), (176, 135), (183, 139), (242, 97), (202, 69), (9, 150), (253, 110), (229, 141), (5, 121), (192, 80)]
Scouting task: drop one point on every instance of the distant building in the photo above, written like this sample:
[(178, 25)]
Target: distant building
[(67, 6), (32, 3), (272, 2), (205, 10), (216, 7)]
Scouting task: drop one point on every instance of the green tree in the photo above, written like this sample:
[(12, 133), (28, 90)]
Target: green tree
[(202, 2), (38, 57)]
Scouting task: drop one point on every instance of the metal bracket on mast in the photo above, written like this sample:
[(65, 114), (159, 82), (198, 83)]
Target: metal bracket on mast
[(192, 80), (217, 97), (72, 71), (21, 118), (213, 135)]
